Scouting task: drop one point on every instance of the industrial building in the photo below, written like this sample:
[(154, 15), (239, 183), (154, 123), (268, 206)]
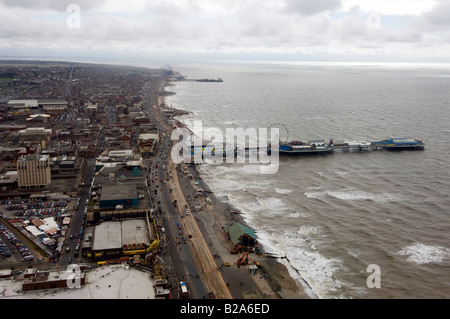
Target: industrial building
[(112, 239), (22, 104), (119, 191), (39, 280), (123, 195)]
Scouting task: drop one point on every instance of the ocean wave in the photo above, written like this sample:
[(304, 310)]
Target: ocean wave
[(315, 194), (308, 230), (298, 215), (316, 187), (321, 174), (272, 204), (318, 271), (234, 170), (419, 253), (350, 195), (304, 265), (412, 195), (283, 191)]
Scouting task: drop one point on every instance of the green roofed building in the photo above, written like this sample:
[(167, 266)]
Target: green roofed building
[(240, 235), (136, 172)]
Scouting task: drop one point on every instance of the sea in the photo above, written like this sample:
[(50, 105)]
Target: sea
[(351, 225)]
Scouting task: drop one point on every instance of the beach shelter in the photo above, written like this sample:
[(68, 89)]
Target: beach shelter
[(240, 235)]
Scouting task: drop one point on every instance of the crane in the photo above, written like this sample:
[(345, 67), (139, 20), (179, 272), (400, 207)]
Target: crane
[(244, 259)]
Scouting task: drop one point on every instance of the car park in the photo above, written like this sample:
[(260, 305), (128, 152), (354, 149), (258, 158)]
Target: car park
[(4, 251), (26, 211)]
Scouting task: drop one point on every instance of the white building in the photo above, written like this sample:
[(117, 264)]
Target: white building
[(22, 104)]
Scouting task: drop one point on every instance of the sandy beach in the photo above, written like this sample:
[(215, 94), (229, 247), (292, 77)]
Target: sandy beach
[(277, 282)]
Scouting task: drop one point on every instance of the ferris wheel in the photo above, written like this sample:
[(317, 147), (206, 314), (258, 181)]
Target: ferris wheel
[(283, 131)]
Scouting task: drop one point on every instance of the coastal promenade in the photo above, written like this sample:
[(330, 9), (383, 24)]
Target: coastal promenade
[(208, 245), (197, 245)]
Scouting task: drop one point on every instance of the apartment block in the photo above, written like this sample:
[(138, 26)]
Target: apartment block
[(33, 171)]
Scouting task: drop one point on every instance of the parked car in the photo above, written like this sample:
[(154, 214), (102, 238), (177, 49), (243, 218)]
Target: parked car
[(28, 258)]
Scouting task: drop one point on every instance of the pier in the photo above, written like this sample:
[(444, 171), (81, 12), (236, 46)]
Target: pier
[(316, 147), (182, 78)]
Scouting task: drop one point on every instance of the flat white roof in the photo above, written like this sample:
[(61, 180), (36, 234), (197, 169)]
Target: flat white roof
[(39, 115), (108, 236), (134, 231), (115, 234), (358, 143), (33, 157), (148, 136), (121, 153), (24, 103)]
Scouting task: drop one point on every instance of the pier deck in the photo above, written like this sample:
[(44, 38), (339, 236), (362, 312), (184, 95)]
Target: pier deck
[(390, 144)]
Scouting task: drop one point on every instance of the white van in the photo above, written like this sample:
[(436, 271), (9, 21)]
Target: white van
[(28, 258)]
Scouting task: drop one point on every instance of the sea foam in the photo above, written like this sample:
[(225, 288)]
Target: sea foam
[(350, 195), (419, 253), (283, 191)]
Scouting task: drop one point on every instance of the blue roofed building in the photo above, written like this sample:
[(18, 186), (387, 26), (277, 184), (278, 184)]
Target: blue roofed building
[(113, 195)]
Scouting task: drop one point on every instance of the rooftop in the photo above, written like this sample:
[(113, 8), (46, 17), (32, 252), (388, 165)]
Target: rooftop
[(33, 157), (23, 103), (45, 276), (115, 234), (121, 153), (148, 136), (111, 282), (108, 236), (116, 192), (236, 230)]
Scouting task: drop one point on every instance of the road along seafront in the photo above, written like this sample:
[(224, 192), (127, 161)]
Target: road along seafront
[(207, 240)]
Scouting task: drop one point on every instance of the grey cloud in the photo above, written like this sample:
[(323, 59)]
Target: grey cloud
[(438, 18), (308, 7), (193, 26), (55, 5)]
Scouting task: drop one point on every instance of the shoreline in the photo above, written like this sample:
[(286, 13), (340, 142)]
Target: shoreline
[(280, 283), (280, 280)]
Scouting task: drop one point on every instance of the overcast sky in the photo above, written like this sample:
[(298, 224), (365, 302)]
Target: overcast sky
[(375, 30)]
